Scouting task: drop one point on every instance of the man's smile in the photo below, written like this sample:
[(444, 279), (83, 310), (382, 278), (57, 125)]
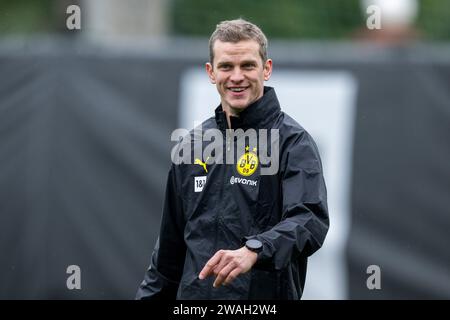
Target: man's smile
[(237, 90)]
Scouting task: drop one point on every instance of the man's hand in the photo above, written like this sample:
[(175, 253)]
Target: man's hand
[(226, 265)]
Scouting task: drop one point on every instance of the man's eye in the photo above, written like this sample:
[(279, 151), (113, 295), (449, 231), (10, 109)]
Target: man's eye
[(248, 66), (225, 67)]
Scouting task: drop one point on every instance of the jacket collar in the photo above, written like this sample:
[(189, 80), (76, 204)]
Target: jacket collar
[(257, 115)]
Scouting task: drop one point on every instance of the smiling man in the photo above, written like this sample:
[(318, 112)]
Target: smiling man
[(239, 70), (229, 231)]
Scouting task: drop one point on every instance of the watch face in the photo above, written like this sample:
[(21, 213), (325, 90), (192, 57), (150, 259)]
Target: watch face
[(254, 244)]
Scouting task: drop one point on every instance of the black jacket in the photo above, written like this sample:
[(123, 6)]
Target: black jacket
[(286, 211)]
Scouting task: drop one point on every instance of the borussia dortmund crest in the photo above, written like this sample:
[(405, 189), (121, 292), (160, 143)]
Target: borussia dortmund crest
[(247, 163)]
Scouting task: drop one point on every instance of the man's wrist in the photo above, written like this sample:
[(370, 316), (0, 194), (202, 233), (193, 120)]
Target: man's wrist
[(252, 254)]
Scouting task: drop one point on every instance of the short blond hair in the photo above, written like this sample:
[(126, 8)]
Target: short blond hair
[(235, 31)]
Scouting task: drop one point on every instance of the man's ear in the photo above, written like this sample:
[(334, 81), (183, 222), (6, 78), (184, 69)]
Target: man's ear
[(209, 71), (267, 69)]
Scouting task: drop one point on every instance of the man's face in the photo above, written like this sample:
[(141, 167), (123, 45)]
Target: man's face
[(238, 73)]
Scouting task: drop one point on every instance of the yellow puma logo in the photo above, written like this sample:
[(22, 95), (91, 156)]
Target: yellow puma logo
[(203, 164)]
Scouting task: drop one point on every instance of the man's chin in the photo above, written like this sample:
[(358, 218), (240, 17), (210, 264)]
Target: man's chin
[(241, 105)]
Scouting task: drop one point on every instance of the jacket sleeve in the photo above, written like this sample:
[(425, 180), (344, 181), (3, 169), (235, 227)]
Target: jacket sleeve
[(304, 218), (166, 267)]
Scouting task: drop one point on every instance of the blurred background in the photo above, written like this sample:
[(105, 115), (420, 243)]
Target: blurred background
[(89, 96)]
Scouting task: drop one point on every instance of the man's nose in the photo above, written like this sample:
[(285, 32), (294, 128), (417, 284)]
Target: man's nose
[(237, 75)]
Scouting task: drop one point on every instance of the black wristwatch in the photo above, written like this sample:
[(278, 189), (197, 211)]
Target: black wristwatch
[(254, 245)]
